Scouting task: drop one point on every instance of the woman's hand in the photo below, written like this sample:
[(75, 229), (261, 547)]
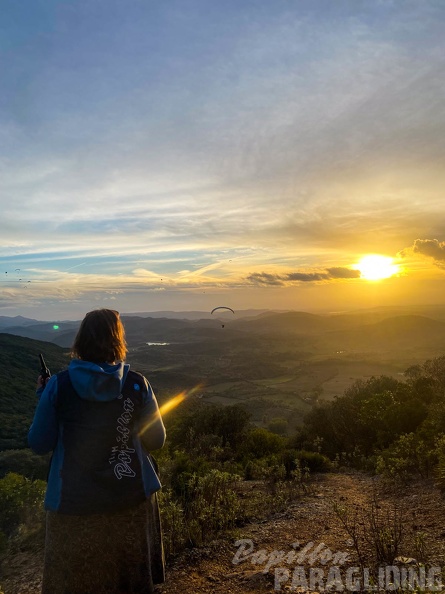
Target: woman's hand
[(41, 382)]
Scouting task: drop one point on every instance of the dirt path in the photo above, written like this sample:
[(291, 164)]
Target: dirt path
[(308, 520), (311, 519)]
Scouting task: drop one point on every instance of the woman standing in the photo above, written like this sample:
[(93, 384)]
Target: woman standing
[(100, 420)]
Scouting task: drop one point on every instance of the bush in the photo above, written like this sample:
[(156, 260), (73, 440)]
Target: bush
[(278, 425), (21, 503), (314, 461), (173, 523), (260, 443), (176, 472), (407, 458), (24, 462), (440, 468), (213, 505), (376, 526), (255, 470)]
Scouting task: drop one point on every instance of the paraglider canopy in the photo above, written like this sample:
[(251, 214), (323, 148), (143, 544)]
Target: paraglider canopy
[(222, 307)]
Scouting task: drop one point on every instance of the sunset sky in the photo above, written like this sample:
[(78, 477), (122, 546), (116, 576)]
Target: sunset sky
[(179, 154)]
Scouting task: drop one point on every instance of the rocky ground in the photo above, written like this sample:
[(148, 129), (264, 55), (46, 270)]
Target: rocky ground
[(263, 557)]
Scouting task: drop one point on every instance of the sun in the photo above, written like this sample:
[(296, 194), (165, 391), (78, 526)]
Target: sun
[(374, 267)]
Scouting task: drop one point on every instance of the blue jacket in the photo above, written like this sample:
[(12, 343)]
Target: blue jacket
[(100, 421)]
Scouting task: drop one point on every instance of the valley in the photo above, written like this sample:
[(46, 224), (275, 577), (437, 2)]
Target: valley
[(276, 364)]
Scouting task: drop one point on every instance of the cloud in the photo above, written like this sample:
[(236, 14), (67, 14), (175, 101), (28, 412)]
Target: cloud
[(306, 276), (336, 272), (342, 272), (263, 278), (283, 132), (430, 248), (143, 273)]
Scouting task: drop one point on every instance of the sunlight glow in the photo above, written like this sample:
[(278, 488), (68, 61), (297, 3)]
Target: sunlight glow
[(170, 405), (374, 267)]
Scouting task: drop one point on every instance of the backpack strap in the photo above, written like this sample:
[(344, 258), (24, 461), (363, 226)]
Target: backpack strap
[(63, 385)]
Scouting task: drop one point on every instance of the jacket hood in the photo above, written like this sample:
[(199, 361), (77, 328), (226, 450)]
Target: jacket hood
[(99, 382)]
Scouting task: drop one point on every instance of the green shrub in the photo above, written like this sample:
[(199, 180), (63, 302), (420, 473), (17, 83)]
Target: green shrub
[(283, 488), (177, 471), (24, 462), (407, 458), (173, 523), (278, 425), (213, 505), (255, 470), (314, 461), (259, 443), (21, 503), (440, 468)]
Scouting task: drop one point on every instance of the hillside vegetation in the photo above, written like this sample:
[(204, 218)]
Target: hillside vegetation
[(19, 368), (382, 425)]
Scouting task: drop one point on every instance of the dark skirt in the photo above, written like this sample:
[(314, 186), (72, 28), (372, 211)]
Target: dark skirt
[(114, 553)]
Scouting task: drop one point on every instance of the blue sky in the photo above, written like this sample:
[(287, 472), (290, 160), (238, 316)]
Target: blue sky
[(182, 154)]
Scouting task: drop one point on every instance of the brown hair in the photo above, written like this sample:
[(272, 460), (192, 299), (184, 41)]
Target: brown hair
[(101, 337)]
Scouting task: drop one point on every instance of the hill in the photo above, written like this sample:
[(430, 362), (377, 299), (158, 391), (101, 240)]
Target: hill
[(19, 369), (61, 334), (7, 322), (310, 524), (276, 364), (380, 329), (192, 315), (309, 520), (394, 334)]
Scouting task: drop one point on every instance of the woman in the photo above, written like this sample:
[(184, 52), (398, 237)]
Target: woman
[(100, 420)]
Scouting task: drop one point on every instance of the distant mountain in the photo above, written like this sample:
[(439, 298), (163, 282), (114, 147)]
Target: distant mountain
[(436, 311), (142, 330), (6, 322), (138, 330), (364, 330), (297, 322), (397, 333), (61, 333), (154, 326), (195, 315)]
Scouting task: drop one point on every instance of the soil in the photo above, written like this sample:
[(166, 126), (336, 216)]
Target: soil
[(309, 534)]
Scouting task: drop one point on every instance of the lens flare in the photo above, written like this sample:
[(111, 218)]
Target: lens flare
[(170, 405)]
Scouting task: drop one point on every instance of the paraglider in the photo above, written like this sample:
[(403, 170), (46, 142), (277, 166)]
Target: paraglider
[(222, 307)]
